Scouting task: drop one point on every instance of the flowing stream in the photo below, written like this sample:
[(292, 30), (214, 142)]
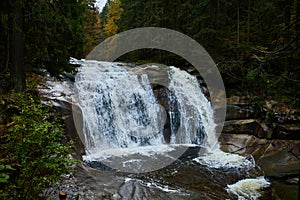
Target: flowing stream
[(142, 142)]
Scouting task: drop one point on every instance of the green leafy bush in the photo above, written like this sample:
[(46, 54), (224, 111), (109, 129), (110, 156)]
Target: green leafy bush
[(32, 154)]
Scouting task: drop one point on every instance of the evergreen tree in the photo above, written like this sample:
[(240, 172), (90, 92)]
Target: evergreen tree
[(54, 32), (39, 34), (93, 28), (249, 40), (16, 46), (103, 14)]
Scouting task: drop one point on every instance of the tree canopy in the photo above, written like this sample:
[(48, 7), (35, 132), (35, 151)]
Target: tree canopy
[(249, 40), (44, 34), (254, 43)]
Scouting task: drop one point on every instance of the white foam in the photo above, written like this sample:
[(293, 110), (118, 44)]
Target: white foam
[(56, 89), (164, 188), (248, 188), (219, 159), (145, 151)]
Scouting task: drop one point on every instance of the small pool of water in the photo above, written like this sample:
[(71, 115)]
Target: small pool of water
[(189, 177)]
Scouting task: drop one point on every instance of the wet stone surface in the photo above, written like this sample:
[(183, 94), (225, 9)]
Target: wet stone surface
[(71, 188)]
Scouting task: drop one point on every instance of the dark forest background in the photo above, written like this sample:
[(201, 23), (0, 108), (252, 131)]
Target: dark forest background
[(255, 44)]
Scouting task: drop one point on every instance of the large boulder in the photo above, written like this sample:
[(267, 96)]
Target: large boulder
[(275, 157), (243, 144), (287, 131), (247, 126), (282, 157), (74, 136), (239, 112)]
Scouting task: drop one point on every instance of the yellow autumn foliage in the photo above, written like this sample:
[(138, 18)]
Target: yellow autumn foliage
[(113, 16)]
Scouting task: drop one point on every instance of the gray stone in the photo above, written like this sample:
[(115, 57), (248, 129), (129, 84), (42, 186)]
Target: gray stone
[(274, 157), (237, 112), (74, 136), (71, 188), (247, 126), (237, 100)]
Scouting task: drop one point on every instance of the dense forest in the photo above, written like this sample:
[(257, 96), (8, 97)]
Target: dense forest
[(255, 45), (249, 40)]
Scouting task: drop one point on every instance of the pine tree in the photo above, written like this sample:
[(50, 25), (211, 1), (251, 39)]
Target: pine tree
[(93, 28)]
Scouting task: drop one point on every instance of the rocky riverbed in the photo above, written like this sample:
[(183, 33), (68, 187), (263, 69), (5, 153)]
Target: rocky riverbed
[(270, 132)]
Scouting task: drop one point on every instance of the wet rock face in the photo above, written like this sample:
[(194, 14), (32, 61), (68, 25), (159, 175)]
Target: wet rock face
[(271, 134), (272, 121), (275, 157), (69, 189), (235, 112), (259, 129), (246, 126), (74, 136)]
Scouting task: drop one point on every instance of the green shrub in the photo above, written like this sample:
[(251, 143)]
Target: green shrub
[(32, 155)]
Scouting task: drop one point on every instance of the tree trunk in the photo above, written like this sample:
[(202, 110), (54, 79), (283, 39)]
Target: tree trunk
[(16, 47)]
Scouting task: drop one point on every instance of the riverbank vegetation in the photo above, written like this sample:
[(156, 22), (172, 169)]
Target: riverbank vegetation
[(255, 45), (36, 35), (33, 154)]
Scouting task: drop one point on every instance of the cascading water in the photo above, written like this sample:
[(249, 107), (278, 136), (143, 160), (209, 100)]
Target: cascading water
[(121, 111), (197, 125), (123, 121), (119, 108)]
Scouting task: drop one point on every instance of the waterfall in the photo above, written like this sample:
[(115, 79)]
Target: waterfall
[(141, 119), (120, 110), (196, 120)]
